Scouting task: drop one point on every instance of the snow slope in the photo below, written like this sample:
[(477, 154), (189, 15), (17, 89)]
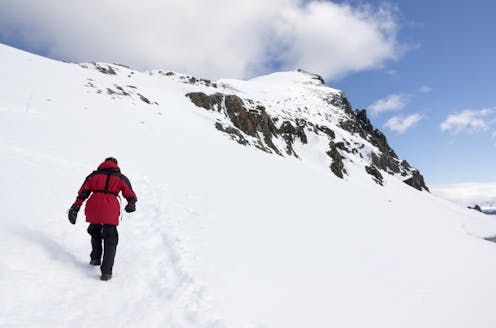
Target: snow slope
[(224, 235)]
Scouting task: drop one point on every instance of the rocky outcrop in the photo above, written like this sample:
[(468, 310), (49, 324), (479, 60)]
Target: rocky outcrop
[(235, 134), (212, 102), (476, 207), (386, 159), (360, 124), (385, 162), (376, 175), (337, 166), (416, 181), (340, 100), (105, 69), (291, 133), (326, 131), (251, 120), (248, 123)]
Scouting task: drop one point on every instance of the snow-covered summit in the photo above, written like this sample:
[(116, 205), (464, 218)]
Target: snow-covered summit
[(297, 114), (291, 114), (291, 77)]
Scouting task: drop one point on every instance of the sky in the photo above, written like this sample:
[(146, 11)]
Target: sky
[(424, 70)]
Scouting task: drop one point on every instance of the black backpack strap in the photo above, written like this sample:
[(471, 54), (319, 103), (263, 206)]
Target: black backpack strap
[(105, 190)]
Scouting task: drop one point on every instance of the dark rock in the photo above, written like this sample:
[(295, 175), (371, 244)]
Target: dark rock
[(416, 181), (122, 91), (105, 69), (144, 99), (379, 140), (374, 172), (406, 165), (340, 145), (314, 76), (248, 121), (326, 131), (476, 207), (337, 166), (300, 132), (385, 162), (360, 124), (203, 100), (289, 133), (340, 100), (251, 121), (233, 132)]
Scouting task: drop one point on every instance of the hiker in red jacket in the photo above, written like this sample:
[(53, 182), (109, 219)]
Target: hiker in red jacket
[(103, 210)]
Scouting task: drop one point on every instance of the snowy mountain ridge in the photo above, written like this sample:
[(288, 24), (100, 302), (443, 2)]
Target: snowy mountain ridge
[(285, 113), (224, 235)]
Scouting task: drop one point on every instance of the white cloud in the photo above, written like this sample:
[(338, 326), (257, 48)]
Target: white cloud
[(215, 38), (425, 89), (468, 194), (401, 124), (390, 103), (470, 121)]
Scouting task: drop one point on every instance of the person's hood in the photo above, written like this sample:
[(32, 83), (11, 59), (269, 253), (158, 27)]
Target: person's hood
[(106, 165)]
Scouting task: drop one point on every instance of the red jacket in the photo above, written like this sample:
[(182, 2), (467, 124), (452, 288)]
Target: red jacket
[(104, 186)]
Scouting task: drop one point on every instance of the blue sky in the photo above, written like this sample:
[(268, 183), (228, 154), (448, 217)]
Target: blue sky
[(424, 69), (454, 55)]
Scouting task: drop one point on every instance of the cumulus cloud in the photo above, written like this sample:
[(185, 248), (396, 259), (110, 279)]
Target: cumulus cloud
[(470, 121), (468, 194), (215, 38), (401, 124), (390, 103)]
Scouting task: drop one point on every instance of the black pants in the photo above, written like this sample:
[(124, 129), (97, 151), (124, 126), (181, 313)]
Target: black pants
[(107, 233)]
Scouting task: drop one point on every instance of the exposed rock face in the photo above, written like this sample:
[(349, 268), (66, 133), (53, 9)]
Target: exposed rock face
[(251, 120), (416, 181), (374, 172), (326, 131), (290, 134), (201, 99), (234, 133), (340, 100), (105, 69), (359, 123), (337, 166), (248, 123), (386, 160)]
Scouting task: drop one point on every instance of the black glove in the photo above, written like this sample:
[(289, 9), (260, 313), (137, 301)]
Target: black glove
[(72, 214), (130, 207)]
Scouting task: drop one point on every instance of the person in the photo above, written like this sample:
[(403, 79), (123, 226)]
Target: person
[(103, 210)]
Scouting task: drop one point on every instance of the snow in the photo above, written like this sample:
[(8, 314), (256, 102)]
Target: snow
[(224, 235)]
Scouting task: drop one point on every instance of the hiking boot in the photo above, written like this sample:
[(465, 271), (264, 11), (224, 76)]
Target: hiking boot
[(95, 262), (106, 276)]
